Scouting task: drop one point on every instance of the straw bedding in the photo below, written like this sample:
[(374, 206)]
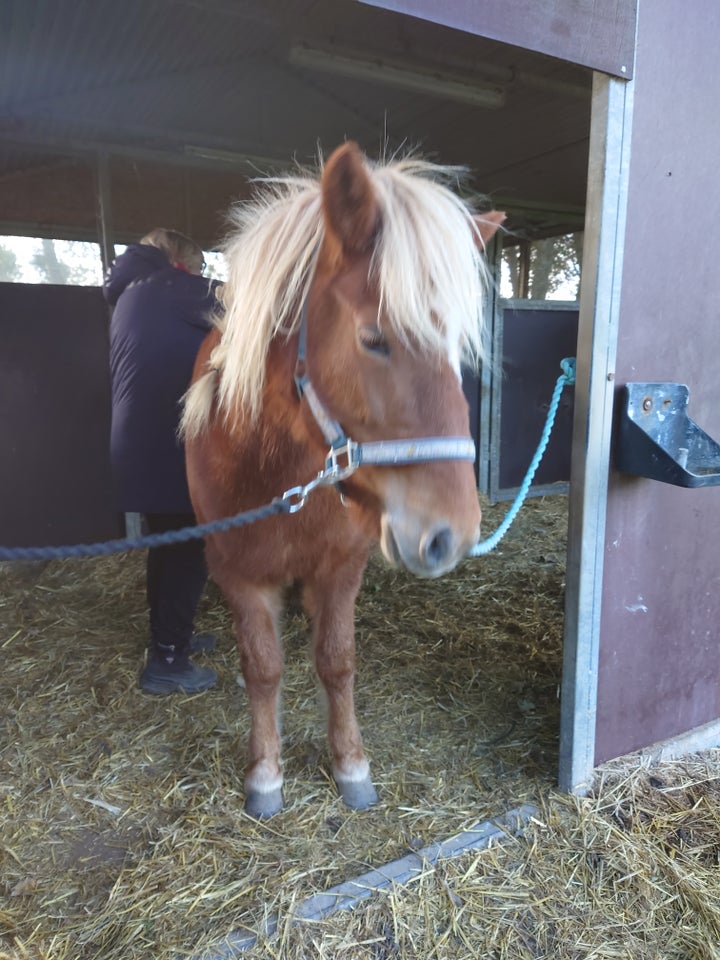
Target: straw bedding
[(122, 826)]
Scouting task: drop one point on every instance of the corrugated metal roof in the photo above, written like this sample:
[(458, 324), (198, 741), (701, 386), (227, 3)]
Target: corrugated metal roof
[(156, 77)]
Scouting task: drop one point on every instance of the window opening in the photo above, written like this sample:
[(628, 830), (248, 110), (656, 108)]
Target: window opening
[(69, 262), (542, 269)]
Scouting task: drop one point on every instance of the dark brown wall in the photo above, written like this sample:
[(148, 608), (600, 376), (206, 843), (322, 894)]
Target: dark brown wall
[(659, 650), (56, 191), (194, 201), (143, 195)]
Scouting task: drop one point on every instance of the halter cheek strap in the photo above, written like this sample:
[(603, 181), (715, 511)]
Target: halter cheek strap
[(331, 429)]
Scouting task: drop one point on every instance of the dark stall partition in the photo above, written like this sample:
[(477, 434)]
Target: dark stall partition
[(55, 484)]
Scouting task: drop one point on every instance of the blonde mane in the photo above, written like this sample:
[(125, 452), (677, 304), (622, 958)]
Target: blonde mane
[(427, 263)]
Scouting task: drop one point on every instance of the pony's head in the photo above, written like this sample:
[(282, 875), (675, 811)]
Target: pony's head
[(389, 262), (396, 306)]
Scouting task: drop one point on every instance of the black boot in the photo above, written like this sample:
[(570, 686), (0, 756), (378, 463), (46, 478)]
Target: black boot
[(180, 675)]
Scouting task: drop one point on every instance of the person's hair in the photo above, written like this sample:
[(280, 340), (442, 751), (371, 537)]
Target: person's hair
[(176, 246)]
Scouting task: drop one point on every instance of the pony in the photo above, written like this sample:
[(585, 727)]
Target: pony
[(354, 294)]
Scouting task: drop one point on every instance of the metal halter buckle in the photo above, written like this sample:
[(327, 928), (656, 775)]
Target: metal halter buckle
[(340, 463), (342, 460)]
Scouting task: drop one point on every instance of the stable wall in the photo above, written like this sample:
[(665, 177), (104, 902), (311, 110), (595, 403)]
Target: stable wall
[(56, 483), (59, 199), (660, 615)]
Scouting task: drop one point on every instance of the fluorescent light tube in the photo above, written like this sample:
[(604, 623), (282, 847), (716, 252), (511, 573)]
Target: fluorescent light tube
[(229, 156), (380, 70)]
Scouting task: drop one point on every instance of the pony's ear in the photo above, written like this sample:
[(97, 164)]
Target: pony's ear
[(488, 223), (349, 205)]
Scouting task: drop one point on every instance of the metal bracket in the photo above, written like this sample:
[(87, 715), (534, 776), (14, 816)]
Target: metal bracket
[(656, 438)]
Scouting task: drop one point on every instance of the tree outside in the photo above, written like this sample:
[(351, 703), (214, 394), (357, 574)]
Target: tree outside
[(8, 265), (553, 269), (36, 260), (75, 262)]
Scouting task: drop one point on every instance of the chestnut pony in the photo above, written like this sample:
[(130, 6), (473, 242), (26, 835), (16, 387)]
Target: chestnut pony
[(352, 299)]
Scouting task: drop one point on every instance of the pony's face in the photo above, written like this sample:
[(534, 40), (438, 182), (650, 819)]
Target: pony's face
[(383, 384), (381, 388)]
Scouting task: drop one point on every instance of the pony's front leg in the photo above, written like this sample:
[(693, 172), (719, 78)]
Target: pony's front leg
[(332, 608), (256, 616)]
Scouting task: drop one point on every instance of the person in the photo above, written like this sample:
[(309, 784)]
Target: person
[(162, 308)]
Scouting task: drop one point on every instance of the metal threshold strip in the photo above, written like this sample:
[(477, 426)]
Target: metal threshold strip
[(348, 895)]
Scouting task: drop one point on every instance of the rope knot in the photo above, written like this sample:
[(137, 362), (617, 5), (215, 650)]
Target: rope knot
[(568, 368)]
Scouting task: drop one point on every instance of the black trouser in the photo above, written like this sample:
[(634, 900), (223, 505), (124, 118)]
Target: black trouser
[(176, 576)]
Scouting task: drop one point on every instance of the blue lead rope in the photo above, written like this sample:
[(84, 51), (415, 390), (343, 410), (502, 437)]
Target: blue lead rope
[(566, 378)]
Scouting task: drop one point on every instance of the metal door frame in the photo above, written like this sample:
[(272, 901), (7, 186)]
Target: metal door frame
[(600, 289)]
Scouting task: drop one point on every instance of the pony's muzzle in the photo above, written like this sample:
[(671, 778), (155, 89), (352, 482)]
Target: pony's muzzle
[(430, 553)]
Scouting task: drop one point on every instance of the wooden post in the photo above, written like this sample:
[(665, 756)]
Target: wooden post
[(104, 211)]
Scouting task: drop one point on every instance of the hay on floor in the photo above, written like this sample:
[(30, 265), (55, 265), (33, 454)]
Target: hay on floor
[(123, 830)]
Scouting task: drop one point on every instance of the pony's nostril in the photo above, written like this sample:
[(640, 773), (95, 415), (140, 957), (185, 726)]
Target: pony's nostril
[(437, 547)]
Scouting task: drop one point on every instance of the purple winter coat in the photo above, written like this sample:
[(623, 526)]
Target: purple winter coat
[(161, 317)]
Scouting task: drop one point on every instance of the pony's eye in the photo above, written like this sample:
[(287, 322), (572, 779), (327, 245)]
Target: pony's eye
[(372, 340)]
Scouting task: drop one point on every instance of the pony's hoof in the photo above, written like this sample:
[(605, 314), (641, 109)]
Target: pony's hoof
[(262, 806), (357, 794)]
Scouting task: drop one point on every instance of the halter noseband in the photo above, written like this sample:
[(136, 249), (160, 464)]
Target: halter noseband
[(345, 455)]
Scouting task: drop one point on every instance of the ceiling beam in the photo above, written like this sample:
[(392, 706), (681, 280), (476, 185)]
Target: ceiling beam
[(184, 155)]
